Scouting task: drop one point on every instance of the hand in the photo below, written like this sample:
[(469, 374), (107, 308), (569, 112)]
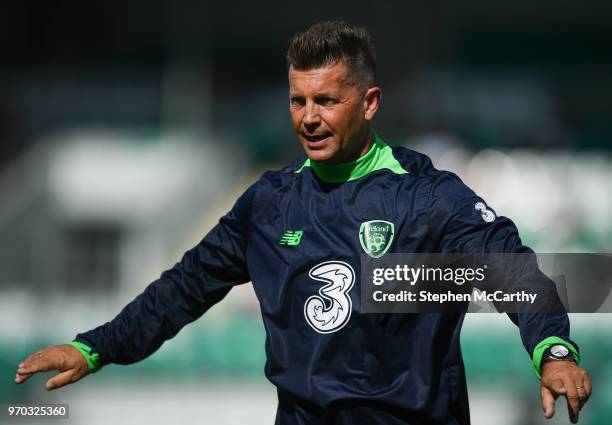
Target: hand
[(64, 358), (560, 377)]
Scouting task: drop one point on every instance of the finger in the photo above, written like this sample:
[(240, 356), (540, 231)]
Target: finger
[(586, 381), (21, 378), (583, 385), (580, 391), (60, 380), (573, 408), (38, 362), (582, 398), (548, 402), (573, 400)]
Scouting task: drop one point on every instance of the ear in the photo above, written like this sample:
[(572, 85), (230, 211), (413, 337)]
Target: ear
[(371, 100)]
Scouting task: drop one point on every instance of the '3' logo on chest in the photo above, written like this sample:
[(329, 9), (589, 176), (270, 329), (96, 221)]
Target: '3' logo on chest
[(331, 309)]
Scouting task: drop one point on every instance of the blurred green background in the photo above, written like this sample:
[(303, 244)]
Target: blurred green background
[(127, 129)]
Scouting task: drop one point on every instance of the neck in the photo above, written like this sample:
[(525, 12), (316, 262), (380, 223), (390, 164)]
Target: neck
[(360, 161)]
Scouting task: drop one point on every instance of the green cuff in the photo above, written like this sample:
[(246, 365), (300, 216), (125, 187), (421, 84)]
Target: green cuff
[(539, 349), (92, 358)]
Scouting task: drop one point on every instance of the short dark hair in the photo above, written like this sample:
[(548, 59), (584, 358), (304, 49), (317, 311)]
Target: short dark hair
[(327, 43)]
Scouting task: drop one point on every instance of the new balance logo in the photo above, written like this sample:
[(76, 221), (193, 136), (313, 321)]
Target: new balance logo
[(291, 238)]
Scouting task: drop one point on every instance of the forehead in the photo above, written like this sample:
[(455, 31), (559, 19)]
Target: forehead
[(332, 77)]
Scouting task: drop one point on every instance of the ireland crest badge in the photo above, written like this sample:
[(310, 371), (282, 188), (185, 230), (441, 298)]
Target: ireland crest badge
[(376, 237)]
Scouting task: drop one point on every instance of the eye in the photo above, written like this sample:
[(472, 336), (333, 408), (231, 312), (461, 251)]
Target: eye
[(326, 100), (297, 101)]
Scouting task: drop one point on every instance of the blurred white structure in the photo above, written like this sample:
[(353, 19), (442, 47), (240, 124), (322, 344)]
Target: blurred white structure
[(97, 209), (561, 201)]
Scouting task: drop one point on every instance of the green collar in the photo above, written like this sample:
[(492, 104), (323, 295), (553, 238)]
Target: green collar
[(379, 157)]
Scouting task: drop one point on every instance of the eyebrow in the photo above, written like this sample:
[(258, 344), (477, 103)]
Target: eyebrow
[(321, 94)]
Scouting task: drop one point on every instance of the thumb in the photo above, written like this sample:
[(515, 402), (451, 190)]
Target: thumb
[(60, 380), (548, 402)]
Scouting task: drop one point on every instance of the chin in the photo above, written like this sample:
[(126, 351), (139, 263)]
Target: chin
[(321, 155)]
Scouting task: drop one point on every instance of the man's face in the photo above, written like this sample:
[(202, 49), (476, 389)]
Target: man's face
[(330, 116)]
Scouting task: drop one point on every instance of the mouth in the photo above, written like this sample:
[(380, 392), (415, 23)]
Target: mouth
[(315, 139)]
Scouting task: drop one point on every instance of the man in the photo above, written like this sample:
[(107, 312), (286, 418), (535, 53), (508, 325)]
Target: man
[(297, 229)]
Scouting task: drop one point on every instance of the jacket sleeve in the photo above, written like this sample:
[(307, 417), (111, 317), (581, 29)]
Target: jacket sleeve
[(181, 295), (462, 222)]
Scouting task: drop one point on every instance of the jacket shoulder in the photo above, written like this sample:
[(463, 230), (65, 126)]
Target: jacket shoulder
[(282, 176), (436, 182)]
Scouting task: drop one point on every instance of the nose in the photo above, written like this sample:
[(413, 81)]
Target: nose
[(311, 119)]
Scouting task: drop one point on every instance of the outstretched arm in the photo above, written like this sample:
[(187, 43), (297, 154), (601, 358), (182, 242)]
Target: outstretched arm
[(464, 224)]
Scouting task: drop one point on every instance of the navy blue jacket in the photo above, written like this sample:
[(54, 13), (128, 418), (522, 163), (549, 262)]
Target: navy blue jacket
[(363, 368)]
